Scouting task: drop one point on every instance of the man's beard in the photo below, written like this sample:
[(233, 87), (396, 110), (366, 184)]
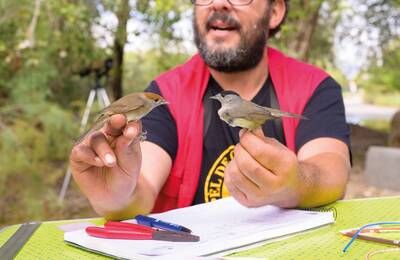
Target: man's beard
[(245, 56)]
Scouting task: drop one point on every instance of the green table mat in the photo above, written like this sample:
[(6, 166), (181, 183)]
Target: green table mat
[(328, 243), (322, 243)]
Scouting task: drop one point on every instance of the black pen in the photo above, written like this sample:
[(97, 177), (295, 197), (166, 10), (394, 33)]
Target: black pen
[(156, 223)]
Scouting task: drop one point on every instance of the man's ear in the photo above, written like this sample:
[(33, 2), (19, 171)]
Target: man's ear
[(277, 12)]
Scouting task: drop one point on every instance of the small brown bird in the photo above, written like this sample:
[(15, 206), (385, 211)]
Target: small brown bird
[(134, 106), (236, 111)]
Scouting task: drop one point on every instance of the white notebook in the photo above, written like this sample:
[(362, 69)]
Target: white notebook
[(222, 225)]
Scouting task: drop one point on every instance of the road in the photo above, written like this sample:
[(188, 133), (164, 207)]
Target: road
[(357, 110)]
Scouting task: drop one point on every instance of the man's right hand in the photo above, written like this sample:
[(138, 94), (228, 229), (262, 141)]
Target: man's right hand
[(107, 163)]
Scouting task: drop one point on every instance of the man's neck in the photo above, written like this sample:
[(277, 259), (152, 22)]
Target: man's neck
[(245, 83)]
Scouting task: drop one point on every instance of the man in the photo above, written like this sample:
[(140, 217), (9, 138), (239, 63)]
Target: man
[(191, 156)]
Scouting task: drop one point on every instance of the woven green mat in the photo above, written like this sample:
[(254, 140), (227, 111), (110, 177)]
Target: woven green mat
[(48, 242), (327, 243), (323, 243)]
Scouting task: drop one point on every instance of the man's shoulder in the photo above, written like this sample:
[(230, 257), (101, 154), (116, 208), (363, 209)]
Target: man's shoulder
[(291, 63)]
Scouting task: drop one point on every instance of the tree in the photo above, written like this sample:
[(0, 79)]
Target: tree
[(155, 20), (120, 39), (309, 30)]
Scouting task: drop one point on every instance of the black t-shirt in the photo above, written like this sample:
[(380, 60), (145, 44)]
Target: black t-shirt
[(325, 109)]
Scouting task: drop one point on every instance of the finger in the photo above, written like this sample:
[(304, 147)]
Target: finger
[(83, 154), (115, 125), (127, 148), (238, 181), (235, 192), (259, 132), (267, 151), (100, 146), (253, 170), (130, 134)]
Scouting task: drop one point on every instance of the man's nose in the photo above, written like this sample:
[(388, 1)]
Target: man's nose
[(221, 5)]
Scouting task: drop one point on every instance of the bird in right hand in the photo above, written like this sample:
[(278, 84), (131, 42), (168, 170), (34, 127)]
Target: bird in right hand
[(236, 111)]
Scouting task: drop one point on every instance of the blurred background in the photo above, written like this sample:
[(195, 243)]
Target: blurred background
[(52, 53)]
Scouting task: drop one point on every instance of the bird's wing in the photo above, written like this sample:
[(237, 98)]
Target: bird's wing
[(277, 113), (124, 104), (127, 103), (258, 112), (95, 127)]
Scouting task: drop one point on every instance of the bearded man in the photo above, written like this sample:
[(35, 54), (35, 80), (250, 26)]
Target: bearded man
[(191, 156)]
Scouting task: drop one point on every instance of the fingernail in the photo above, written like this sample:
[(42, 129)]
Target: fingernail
[(109, 158), (130, 131), (97, 159)]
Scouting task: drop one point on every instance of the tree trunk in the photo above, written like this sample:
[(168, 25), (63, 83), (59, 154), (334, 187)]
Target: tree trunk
[(301, 43), (120, 40)]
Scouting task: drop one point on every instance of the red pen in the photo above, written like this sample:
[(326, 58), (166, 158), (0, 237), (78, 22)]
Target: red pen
[(124, 230)]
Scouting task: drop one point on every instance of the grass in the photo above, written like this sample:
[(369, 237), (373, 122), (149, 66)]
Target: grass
[(382, 125), (383, 99)]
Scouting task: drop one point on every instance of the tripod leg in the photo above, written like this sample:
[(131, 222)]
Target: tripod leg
[(86, 114), (65, 185), (103, 97), (84, 121)]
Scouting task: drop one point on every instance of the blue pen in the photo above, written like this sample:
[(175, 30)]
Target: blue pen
[(156, 223)]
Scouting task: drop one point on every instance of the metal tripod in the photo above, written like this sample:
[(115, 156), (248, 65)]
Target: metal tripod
[(101, 94)]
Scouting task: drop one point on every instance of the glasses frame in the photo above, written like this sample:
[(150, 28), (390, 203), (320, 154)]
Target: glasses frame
[(229, 1)]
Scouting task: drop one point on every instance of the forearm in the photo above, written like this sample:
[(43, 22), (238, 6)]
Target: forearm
[(323, 179), (141, 201)]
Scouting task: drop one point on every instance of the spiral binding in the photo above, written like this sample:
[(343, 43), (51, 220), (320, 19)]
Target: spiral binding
[(324, 209)]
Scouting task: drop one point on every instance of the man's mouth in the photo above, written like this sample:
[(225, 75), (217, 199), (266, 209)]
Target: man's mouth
[(222, 22), (219, 25)]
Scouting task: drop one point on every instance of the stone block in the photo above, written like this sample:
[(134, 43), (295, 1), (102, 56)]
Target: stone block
[(382, 167)]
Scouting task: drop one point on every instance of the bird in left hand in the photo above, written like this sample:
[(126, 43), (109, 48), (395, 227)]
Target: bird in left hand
[(134, 106), (236, 111)]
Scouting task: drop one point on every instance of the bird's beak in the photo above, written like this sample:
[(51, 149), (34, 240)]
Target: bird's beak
[(216, 97)]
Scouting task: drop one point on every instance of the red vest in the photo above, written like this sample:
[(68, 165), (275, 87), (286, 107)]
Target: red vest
[(184, 87)]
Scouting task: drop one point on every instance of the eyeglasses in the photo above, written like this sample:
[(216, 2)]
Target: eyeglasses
[(232, 2)]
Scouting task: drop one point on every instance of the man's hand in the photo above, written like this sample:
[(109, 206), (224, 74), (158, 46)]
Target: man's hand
[(263, 171), (106, 164)]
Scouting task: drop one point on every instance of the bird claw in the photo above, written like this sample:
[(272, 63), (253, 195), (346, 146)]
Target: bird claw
[(143, 136)]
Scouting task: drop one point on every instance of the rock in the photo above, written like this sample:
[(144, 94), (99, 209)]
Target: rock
[(382, 167)]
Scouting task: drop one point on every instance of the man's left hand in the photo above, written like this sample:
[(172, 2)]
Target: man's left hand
[(263, 171)]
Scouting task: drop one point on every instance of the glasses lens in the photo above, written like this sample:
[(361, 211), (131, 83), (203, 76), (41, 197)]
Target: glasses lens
[(202, 2), (240, 2), (232, 2)]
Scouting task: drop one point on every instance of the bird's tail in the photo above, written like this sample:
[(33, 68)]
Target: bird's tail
[(95, 127), (278, 113)]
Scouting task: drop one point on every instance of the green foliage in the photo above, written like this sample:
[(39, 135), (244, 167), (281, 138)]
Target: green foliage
[(142, 68), (381, 82), (42, 96), (309, 31), (387, 74), (379, 125), (37, 92), (34, 151)]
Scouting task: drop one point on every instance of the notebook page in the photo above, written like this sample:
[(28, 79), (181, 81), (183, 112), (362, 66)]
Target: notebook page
[(222, 225)]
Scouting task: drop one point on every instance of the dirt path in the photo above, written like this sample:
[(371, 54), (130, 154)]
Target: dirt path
[(361, 139)]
